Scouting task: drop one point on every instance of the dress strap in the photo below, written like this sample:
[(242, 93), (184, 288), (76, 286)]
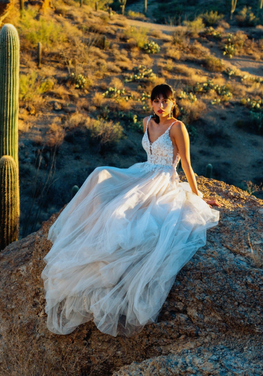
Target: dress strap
[(148, 121), (171, 125)]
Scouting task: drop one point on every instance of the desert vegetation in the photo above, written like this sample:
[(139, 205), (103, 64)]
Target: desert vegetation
[(86, 73)]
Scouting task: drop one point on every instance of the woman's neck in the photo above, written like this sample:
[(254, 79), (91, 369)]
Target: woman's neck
[(164, 120)]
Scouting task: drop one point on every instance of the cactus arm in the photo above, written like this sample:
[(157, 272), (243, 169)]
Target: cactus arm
[(9, 201)]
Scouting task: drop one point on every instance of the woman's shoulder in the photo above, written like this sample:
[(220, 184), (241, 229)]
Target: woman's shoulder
[(178, 128), (177, 124)]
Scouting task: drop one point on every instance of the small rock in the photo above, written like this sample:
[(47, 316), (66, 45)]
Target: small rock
[(70, 108), (57, 106), (31, 109)]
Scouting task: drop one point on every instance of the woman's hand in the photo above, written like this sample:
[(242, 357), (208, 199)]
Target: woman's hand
[(212, 202)]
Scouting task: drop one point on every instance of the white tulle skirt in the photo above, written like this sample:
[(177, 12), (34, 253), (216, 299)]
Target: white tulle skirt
[(117, 247)]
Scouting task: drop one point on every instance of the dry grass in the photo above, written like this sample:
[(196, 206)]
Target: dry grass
[(238, 89), (98, 100), (113, 68), (255, 89), (193, 110), (136, 36), (75, 120), (174, 54), (183, 49), (60, 92), (116, 82), (213, 64), (55, 135)]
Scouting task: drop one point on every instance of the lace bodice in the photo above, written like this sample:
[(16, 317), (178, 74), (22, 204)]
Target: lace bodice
[(160, 152)]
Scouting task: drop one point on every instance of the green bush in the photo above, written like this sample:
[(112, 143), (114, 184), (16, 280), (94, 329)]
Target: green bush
[(106, 132), (194, 27), (138, 34), (212, 18), (246, 18), (136, 15), (213, 64), (40, 30), (30, 86)]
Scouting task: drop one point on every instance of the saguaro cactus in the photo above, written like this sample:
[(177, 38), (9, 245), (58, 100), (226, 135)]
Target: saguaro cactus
[(122, 5), (9, 201), (233, 8), (9, 106), (9, 91), (39, 54), (209, 170)]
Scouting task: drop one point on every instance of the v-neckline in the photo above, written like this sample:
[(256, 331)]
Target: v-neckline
[(150, 142)]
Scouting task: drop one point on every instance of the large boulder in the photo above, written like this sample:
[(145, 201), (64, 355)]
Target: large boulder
[(210, 324)]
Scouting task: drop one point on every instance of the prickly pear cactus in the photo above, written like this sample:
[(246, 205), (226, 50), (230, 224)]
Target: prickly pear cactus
[(9, 201), (9, 91)]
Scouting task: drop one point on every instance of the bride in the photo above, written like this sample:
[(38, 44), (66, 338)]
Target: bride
[(120, 242)]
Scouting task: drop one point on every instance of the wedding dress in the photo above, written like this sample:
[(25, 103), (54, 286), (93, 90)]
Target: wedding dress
[(120, 242)]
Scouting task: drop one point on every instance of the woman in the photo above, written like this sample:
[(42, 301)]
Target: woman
[(120, 242)]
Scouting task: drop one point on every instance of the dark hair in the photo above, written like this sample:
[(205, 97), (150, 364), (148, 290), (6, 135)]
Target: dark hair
[(167, 92)]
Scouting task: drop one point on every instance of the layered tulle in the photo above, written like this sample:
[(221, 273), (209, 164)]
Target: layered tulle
[(118, 246)]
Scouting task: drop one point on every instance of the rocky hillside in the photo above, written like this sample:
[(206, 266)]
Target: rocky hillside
[(210, 324)]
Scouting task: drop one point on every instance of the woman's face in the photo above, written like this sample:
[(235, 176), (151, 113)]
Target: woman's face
[(162, 107)]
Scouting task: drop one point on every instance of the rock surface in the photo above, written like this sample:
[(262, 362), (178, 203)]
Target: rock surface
[(210, 324)]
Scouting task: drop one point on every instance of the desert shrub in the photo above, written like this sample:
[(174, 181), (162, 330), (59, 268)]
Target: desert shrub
[(102, 4), (30, 86), (98, 99), (194, 27), (55, 136), (40, 30), (191, 111), (106, 132), (217, 34), (213, 64), (136, 15), (246, 18), (138, 35), (212, 18), (179, 36)]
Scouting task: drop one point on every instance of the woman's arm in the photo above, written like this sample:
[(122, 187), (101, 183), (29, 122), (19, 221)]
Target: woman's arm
[(180, 137)]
